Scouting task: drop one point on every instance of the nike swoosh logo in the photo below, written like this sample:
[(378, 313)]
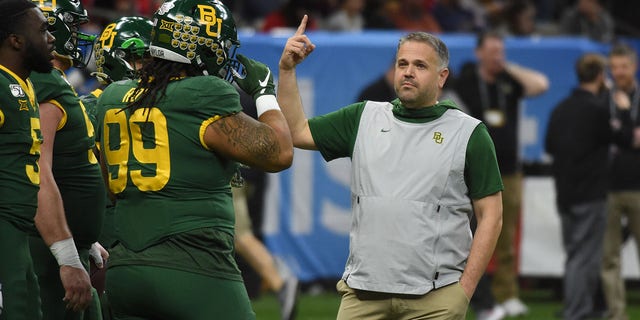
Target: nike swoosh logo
[(264, 82), (385, 130)]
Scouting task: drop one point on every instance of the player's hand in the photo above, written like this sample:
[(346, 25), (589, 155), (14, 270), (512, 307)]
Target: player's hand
[(258, 81), (77, 287), (98, 254), (297, 48)]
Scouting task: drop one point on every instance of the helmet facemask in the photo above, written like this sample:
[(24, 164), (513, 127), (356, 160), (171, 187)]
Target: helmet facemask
[(64, 24), (233, 68)]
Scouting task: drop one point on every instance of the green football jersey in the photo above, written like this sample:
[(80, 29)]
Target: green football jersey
[(107, 236), (20, 141), (75, 166), (90, 101), (165, 178)]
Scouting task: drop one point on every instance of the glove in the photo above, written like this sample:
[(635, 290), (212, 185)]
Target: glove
[(258, 81), (95, 253)]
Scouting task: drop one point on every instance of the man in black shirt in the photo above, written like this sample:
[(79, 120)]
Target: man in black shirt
[(381, 89), (492, 90), (578, 138)]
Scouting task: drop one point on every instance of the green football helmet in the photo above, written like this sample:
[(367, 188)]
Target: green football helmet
[(197, 32), (121, 44), (64, 18)]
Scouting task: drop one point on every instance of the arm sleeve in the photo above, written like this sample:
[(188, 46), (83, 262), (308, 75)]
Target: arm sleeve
[(481, 165), (335, 133)]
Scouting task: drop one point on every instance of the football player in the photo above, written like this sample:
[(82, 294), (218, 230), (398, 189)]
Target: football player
[(25, 45), (71, 181), (119, 51), (171, 143)]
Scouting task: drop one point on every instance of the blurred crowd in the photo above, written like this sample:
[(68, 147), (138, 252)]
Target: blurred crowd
[(601, 20)]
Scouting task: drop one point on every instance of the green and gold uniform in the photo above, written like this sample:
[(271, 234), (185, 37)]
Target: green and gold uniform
[(90, 101), (174, 215), (20, 141), (107, 236), (78, 177)]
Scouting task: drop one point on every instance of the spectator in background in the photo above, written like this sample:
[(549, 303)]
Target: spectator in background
[(520, 18), (458, 16), (380, 89), (625, 14), (492, 89), (288, 16), (493, 10), (624, 195), (578, 138), (412, 15), (348, 17), (588, 18), (275, 274), (250, 13), (375, 15)]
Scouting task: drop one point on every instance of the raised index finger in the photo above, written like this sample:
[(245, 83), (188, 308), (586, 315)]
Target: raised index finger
[(302, 26)]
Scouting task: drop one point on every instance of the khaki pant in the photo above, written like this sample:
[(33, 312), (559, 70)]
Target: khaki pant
[(505, 276), (446, 303), (241, 208), (626, 203)]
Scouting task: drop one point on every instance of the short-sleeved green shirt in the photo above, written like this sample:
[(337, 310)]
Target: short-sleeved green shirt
[(166, 179)]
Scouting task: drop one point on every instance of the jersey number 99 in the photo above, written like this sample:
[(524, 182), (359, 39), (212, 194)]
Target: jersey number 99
[(137, 148)]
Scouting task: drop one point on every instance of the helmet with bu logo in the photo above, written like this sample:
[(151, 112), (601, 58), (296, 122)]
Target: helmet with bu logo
[(197, 32)]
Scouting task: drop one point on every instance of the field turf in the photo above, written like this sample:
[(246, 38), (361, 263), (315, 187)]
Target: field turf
[(543, 302)]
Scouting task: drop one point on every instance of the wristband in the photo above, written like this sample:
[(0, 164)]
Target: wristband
[(266, 103), (66, 253)]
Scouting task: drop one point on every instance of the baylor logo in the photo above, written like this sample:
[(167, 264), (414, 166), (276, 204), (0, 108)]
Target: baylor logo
[(437, 137), (208, 18)]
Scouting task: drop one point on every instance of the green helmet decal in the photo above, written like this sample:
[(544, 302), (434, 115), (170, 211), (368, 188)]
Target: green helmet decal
[(197, 32), (64, 18), (119, 46)]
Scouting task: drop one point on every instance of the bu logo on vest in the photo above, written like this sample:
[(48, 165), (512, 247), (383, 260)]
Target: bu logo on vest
[(437, 137)]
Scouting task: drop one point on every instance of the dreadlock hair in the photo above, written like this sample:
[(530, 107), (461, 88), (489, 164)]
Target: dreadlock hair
[(12, 11), (155, 77)]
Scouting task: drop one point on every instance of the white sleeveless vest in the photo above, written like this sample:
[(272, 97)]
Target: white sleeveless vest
[(410, 230)]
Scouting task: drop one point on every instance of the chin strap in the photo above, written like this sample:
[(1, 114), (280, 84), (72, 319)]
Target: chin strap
[(102, 77), (67, 60)]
